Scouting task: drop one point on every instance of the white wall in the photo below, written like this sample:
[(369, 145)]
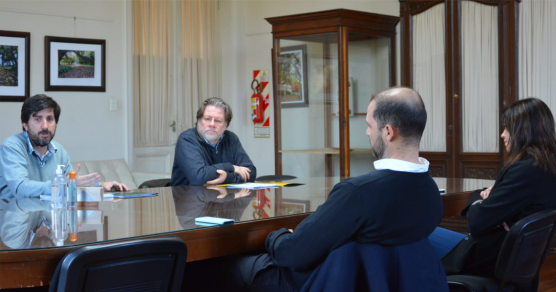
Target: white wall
[(87, 129), (246, 44)]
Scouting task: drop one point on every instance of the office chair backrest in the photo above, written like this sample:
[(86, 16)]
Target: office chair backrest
[(155, 183), (525, 247), (274, 178), (156, 264)]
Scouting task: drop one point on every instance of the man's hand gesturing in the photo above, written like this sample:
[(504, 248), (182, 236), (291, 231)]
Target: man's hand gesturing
[(88, 180)]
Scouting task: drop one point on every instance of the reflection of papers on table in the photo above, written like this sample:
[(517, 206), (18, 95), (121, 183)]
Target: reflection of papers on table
[(253, 186), (90, 194), (125, 195), (90, 217)]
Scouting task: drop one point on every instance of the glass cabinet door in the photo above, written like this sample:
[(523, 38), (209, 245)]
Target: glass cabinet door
[(368, 69), (309, 91), (308, 69)]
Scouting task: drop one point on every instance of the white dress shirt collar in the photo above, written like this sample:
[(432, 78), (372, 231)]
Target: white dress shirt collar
[(402, 165)]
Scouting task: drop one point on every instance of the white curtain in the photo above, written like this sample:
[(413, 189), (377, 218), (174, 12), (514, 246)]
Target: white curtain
[(480, 95), (429, 78), (536, 53), (175, 66)]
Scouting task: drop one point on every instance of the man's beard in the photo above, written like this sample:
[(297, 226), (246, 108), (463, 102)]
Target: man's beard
[(208, 137), (36, 140), (378, 149)]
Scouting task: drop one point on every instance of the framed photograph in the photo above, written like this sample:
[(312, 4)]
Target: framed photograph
[(73, 64), (14, 65), (291, 207), (293, 76)]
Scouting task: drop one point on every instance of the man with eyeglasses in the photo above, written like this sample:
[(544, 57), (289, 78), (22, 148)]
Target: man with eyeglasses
[(208, 153)]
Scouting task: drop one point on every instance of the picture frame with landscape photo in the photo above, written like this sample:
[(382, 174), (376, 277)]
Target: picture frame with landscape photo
[(74, 64), (292, 207), (293, 88), (14, 65)]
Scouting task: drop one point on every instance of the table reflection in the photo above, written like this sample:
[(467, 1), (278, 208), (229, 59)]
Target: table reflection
[(461, 185), (28, 223), (25, 223), (199, 201)]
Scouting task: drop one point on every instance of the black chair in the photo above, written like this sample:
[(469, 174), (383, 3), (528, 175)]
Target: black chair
[(519, 261), (155, 264), (155, 183)]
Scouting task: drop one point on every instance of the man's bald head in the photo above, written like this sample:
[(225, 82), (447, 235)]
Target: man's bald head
[(402, 108)]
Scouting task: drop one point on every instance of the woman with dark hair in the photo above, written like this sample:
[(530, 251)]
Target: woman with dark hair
[(526, 185)]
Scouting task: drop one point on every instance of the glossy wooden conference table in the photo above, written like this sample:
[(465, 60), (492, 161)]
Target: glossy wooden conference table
[(173, 213)]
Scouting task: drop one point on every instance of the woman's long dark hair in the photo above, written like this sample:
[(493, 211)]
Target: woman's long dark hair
[(531, 126)]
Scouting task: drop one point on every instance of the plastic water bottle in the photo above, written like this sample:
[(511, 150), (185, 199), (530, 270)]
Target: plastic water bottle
[(59, 189), (72, 203), (72, 189), (59, 203)]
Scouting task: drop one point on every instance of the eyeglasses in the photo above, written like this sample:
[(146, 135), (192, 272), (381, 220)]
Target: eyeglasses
[(207, 120)]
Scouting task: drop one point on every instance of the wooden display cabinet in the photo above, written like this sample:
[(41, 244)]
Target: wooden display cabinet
[(326, 66)]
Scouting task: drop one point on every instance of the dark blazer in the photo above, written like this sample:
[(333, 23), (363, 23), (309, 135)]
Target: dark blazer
[(520, 190), (372, 267)]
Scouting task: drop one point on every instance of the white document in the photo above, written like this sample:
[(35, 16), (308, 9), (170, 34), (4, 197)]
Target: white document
[(252, 186), (213, 221)]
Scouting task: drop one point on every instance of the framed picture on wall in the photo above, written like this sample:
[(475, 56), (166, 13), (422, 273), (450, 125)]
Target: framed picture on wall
[(74, 64), (291, 207), (14, 65), (293, 76)]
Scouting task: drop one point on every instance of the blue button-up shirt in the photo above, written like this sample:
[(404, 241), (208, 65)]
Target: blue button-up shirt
[(26, 174)]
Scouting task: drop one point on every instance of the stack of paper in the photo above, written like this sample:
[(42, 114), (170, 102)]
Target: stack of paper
[(252, 186), (210, 221)]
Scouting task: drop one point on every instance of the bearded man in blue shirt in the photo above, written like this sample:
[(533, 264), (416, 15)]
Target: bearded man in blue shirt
[(28, 160)]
